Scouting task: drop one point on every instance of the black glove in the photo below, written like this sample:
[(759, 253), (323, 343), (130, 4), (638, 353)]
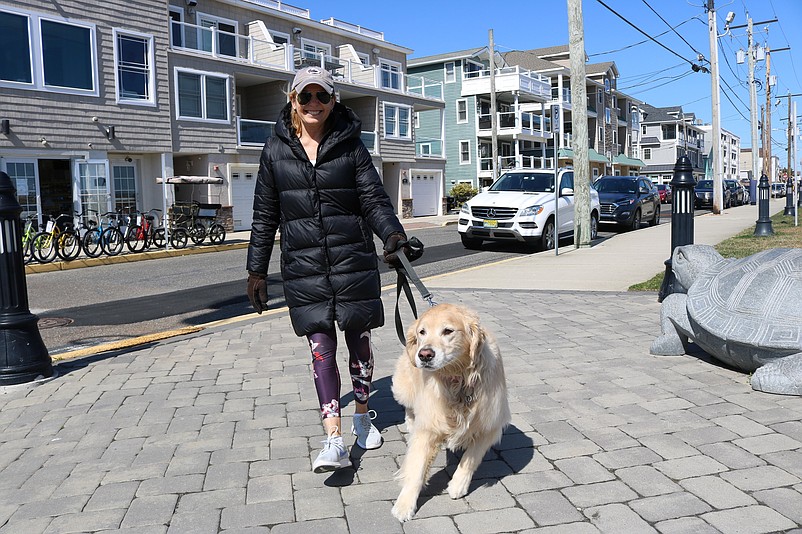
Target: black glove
[(412, 249), (257, 291)]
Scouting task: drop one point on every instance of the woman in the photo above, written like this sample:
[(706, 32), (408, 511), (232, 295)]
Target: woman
[(317, 183)]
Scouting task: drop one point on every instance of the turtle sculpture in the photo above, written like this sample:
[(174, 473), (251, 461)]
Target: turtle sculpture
[(744, 312)]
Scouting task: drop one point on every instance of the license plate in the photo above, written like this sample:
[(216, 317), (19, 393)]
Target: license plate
[(490, 223)]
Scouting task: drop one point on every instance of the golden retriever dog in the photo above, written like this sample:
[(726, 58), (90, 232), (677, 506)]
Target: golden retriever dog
[(450, 380)]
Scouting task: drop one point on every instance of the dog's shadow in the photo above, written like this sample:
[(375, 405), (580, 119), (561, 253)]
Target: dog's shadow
[(509, 456)]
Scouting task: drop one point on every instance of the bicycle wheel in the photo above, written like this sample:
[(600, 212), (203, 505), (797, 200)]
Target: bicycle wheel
[(27, 250), (68, 245), (135, 238), (217, 234), (197, 233), (112, 241), (92, 243), (44, 247), (158, 238), (179, 238)]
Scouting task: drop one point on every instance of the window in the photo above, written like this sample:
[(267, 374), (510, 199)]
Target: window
[(63, 52), (202, 95), (176, 27), (279, 38), (472, 69), (643, 129), (396, 121), (124, 187), (462, 110), (669, 131), (311, 50), (426, 149), (464, 152), (133, 57), (607, 116), (390, 74), (647, 153), (450, 72), (599, 95)]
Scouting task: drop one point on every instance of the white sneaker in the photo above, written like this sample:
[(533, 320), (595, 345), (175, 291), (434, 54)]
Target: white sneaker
[(367, 435), (333, 456)]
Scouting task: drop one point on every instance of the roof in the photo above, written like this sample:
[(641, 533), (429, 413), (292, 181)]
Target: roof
[(558, 50), (666, 114), (665, 168), (621, 159), (593, 156), (600, 68), (650, 141), (530, 61), (447, 56)]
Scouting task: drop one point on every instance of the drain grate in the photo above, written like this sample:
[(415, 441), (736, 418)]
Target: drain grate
[(54, 322)]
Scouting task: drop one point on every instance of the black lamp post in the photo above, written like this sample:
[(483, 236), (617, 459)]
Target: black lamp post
[(789, 197), (763, 226), (682, 207), (23, 356)]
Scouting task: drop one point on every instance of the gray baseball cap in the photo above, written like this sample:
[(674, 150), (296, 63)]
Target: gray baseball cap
[(309, 75)]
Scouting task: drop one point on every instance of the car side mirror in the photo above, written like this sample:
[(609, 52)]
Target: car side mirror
[(566, 191)]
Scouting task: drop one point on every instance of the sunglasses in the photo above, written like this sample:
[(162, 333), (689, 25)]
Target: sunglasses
[(322, 96)]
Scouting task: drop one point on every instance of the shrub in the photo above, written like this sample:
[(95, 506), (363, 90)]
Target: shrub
[(462, 192)]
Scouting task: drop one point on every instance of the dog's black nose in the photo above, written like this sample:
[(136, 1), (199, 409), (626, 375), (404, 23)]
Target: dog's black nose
[(425, 355)]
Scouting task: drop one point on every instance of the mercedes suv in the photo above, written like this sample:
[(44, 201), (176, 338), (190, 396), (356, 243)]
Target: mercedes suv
[(519, 207)]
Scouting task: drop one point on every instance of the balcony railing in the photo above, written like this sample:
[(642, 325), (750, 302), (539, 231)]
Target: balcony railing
[(225, 45), (369, 140), (283, 6), (355, 28), (561, 96), (512, 78), (252, 132), (516, 162), (429, 148), (521, 122)]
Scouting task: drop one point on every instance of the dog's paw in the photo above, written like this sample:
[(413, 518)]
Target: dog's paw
[(404, 509), (458, 487)]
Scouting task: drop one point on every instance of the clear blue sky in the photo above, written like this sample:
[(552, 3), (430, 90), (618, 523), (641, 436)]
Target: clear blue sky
[(647, 71)]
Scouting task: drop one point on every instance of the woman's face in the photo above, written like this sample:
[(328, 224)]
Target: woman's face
[(314, 113)]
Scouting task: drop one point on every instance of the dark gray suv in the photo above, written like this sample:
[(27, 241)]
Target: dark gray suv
[(628, 200)]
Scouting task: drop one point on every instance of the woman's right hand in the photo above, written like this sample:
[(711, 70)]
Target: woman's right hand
[(257, 291)]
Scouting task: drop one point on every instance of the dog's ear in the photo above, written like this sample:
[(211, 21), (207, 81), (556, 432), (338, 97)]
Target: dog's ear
[(477, 337), (412, 340)]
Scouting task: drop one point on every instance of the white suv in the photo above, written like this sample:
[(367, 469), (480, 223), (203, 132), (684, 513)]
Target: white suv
[(519, 206)]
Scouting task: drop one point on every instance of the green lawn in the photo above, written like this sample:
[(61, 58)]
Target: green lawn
[(786, 235)]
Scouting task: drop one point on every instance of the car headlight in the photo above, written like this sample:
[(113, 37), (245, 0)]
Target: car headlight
[(465, 209), (531, 211)]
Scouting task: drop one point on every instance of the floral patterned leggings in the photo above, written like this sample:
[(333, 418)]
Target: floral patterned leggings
[(327, 377)]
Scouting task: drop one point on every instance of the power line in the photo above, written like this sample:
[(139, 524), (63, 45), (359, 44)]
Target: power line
[(649, 36), (644, 41), (698, 54)]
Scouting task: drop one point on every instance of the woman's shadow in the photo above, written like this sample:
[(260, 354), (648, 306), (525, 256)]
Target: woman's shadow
[(509, 456)]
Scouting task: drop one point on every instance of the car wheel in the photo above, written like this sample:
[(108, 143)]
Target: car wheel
[(594, 227), (471, 242), (656, 219), (548, 236), (636, 219)]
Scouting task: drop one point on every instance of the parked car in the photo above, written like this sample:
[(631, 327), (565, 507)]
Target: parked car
[(704, 195), (666, 195), (736, 192), (778, 189), (519, 207), (628, 200)]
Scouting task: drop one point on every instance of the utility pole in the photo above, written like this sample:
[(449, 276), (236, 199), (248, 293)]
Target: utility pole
[(718, 189), (579, 120), (767, 119), (753, 100), (493, 121)]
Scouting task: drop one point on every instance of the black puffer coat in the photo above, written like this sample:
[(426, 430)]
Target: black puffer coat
[(327, 213)]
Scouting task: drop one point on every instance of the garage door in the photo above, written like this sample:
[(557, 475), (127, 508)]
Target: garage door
[(425, 193), (243, 181)]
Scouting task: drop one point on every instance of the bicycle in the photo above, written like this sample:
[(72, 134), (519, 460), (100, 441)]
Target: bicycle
[(91, 235), (58, 239), (112, 239), (140, 237), (28, 232)]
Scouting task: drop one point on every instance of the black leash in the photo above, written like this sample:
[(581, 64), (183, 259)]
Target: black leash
[(406, 273)]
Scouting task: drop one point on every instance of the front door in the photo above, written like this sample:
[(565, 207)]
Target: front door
[(24, 175), (93, 187)]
